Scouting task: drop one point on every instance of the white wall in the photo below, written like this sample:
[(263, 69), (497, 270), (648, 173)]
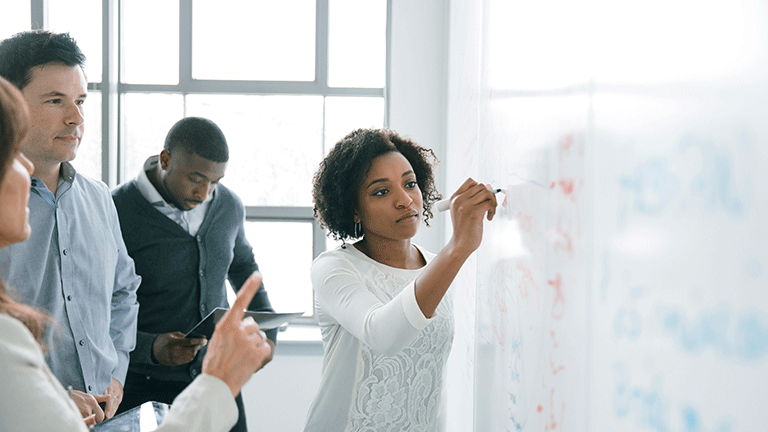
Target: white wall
[(418, 76), (278, 397)]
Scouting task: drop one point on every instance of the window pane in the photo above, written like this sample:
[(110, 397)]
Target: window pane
[(84, 24), (146, 121), (150, 41), (16, 17), (357, 43), (283, 251), (275, 144), (262, 40), (345, 114), (88, 159)]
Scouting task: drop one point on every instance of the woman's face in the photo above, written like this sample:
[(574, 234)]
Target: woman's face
[(14, 196), (389, 199)]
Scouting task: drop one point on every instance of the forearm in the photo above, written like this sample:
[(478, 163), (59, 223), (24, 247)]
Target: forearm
[(437, 277)]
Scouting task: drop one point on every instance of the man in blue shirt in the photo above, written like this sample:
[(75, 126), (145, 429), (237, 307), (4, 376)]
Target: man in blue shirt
[(186, 234), (75, 265)]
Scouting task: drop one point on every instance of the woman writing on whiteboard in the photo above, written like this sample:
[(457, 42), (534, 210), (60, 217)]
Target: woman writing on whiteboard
[(381, 303), (31, 398)]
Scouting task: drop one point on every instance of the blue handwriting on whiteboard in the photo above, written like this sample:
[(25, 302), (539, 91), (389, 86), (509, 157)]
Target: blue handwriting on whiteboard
[(741, 337), (627, 324), (692, 423), (646, 406), (653, 184), (649, 407), (716, 183)]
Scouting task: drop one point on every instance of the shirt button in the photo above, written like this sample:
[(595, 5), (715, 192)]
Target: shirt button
[(89, 388), (64, 251), (194, 372), (199, 239), (202, 273), (69, 298), (82, 342)]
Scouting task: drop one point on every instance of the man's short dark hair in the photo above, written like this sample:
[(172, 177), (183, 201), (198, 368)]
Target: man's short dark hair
[(199, 136), (26, 50)]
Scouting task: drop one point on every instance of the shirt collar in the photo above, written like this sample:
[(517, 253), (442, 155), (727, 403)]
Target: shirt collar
[(146, 187), (149, 191), (66, 177), (67, 172)]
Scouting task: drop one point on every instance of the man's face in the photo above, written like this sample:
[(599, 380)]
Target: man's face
[(188, 179), (55, 97)]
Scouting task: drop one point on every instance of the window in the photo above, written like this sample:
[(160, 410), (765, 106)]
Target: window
[(16, 17), (284, 81)]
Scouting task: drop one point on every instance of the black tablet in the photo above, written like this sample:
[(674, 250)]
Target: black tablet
[(265, 320)]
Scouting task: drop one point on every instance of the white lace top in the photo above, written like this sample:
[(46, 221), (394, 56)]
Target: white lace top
[(383, 364)]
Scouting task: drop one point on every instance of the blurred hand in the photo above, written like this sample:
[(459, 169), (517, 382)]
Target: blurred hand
[(88, 405), (173, 349), (238, 348), (114, 394)]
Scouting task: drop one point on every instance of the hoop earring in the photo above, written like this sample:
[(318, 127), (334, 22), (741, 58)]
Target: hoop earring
[(358, 230)]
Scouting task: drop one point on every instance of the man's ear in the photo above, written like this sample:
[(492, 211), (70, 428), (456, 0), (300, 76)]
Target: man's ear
[(165, 159)]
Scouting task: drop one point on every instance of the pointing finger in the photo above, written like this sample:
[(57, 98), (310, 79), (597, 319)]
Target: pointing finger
[(244, 297)]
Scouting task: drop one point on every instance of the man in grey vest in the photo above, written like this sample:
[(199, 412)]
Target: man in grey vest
[(185, 232)]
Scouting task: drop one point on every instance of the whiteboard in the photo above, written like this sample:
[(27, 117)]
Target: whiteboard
[(624, 285)]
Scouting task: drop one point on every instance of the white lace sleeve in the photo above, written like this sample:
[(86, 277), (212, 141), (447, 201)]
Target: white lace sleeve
[(341, 294)]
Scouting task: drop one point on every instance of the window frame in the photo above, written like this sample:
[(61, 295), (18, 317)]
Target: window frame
[(112, 90)]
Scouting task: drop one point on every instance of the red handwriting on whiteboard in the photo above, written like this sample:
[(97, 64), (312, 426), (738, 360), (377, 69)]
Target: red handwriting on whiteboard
[(558, 303), (553, 423), (555, 343), (500, 303), (526, 280), (566, 185), (499, 336), (563, 240), (565, 144), (556, 368), (525, 221)]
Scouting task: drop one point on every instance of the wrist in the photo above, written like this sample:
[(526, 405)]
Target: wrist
[(152, 349), (234, 389), (455, 252)]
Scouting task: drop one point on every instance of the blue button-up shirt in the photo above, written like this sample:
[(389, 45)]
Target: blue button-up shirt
[(75, 267)]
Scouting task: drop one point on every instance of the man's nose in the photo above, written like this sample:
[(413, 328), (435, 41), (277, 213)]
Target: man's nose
[(74, 115)]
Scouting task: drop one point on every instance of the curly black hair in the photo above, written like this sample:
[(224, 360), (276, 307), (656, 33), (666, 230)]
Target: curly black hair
[(336, 182)]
